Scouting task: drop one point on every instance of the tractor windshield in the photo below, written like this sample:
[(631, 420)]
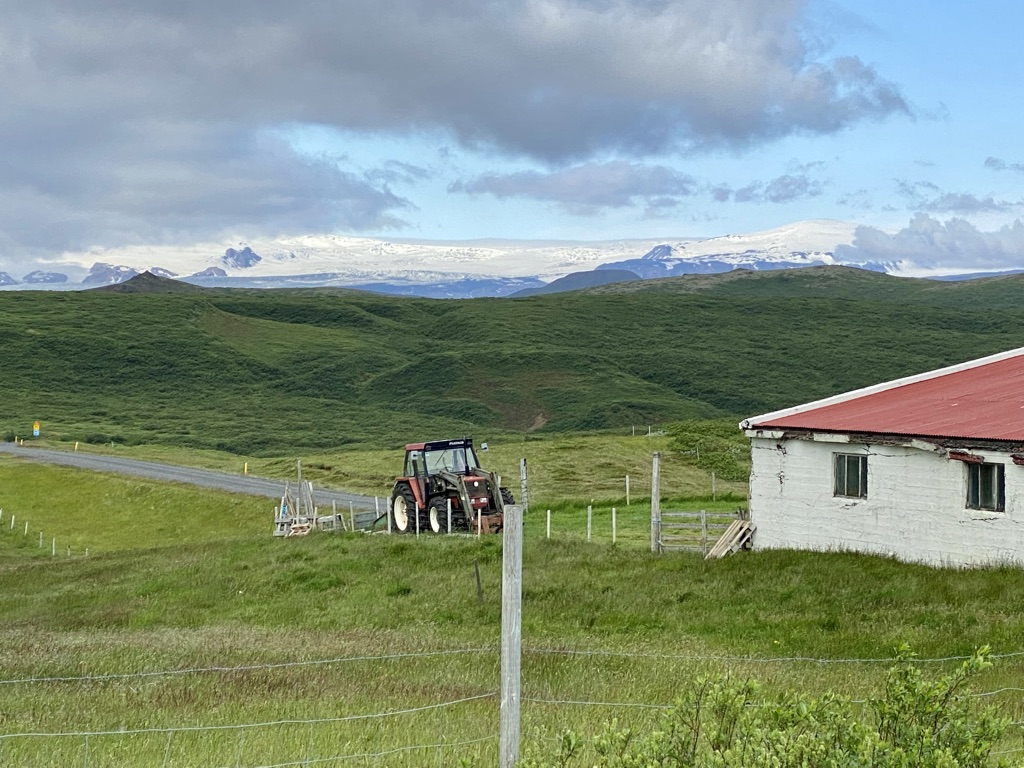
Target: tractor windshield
[(460, 460)]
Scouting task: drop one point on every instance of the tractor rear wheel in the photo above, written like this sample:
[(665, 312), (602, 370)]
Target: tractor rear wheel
[(437, 514), (403, 509), (507, 497)]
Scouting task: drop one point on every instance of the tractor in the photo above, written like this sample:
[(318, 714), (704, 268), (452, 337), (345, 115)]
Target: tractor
[(444, 472)]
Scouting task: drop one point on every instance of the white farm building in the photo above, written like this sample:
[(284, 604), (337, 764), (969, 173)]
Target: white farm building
[(928, 468)]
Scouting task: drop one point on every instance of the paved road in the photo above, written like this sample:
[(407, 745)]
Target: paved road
[(224, 481)]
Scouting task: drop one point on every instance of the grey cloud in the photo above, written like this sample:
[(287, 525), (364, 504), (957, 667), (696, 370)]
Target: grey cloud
[(928, 242), (929, 197), (782, 189), (916, 190), (586, 189), (108, 104), (963, 204), (397, 172), (203, 181), (997, 164)]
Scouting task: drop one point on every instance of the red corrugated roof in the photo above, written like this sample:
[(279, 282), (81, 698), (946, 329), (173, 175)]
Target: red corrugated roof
[(981, 399)]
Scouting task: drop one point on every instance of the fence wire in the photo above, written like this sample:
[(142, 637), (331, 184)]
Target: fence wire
[(377, 755), (245, 726), (680, 657), (243, 668)]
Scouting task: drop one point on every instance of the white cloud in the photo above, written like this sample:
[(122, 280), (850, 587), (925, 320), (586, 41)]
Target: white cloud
[(932, 244)]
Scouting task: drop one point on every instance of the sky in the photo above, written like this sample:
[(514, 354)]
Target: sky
[(132, 122)]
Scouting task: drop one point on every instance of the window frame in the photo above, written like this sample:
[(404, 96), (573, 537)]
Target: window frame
[(841, 475), (994, 495)]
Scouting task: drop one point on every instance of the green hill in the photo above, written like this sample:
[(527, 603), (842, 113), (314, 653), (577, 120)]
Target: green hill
[(257, 371)]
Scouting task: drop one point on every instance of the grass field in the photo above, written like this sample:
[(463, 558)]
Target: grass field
[(604, 627)]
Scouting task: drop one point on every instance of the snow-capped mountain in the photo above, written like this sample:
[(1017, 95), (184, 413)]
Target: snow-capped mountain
[(462, 268)]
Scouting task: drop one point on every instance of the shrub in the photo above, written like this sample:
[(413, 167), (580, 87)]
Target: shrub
[(724, 723)]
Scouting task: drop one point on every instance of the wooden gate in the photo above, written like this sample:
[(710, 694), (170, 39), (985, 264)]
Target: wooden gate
[(693, 531), (714, 535)]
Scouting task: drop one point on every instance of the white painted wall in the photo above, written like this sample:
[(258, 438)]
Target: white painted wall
[(915, 508)]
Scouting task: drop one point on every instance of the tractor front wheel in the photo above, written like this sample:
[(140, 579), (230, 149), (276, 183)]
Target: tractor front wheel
[(437, 512), (403, 508)]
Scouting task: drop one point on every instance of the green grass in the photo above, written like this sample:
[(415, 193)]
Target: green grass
[(234, 596), (268, 373), (87, 510)]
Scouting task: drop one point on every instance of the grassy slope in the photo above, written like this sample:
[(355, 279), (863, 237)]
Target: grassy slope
[(271, 372)]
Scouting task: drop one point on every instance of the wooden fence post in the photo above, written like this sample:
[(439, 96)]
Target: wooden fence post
[(549, 523), (590, 517), (627, 490), (524, 487), (613, 525), (511, 634), (449, 514), (656, 503)]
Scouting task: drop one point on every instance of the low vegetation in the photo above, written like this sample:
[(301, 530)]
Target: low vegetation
[(268, 373), (724, 723), (605, 627)]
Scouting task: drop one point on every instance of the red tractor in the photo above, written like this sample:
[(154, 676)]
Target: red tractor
[(446, 472)]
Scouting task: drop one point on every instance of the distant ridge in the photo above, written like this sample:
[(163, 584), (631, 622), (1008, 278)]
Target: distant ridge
[(577, 281), (147, 282)]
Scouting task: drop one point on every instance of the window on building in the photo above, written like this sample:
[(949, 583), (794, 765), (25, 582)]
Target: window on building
[(851, 475), (985, 487)]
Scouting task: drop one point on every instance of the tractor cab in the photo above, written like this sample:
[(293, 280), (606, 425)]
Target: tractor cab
[(456, 456)]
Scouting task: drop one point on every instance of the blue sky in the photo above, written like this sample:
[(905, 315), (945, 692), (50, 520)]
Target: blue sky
[(140, 121)]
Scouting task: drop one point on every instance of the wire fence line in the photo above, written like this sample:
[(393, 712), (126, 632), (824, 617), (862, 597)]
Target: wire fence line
[(244, 667), (485, 650), (377, 755), (758, 659), (245, 726)]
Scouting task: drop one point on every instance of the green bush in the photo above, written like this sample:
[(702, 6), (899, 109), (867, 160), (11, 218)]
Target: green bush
[(724, 723)]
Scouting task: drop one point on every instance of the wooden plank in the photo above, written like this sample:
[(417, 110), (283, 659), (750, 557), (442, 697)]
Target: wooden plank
[(732, 540)]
